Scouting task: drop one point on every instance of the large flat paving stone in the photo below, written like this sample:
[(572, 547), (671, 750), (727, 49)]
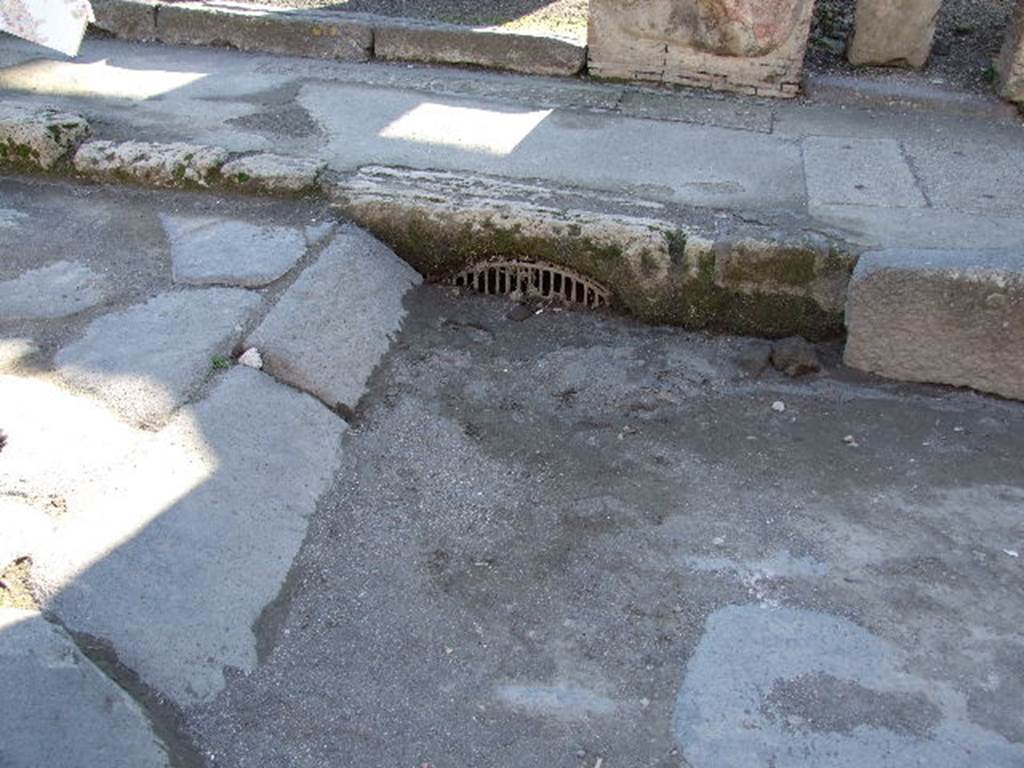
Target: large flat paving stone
[(211, 250), (146, 360), (334, 324), (174, 555), (56, 290), (848, 171), (59, 709), (948, 317)]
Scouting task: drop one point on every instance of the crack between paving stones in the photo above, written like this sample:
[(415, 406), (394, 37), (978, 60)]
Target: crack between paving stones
[(915, 174)]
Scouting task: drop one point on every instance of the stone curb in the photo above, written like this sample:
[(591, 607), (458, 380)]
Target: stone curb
[(953, 317), (340, 36), (949, 317)]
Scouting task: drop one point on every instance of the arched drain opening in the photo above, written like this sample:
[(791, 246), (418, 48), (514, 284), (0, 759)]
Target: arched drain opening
[(533, 279)]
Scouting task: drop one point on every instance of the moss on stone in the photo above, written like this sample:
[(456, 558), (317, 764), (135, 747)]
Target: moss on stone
[(791, 266), (440, 249)]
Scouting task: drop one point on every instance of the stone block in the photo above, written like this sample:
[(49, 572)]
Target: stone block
[(165, 165), (252, 28), (126, 19), (1009, 65), (947, 317), (184, 541), (331, 328), (275, 174), (212, 250), (450, 44), (37, 139), (745, 46), (893, 32)]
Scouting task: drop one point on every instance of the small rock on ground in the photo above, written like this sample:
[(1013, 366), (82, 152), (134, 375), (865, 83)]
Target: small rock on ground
[(795, 356)]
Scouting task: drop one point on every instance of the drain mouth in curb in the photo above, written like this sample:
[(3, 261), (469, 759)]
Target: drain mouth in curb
[(523, 279)]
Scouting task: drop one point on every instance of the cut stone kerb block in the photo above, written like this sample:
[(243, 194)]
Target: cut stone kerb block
[(893, 32), (1010, 64), (947, 317), (745, 46)]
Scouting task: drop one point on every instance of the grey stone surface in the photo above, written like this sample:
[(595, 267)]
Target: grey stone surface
[(650, 159), (38, 137), (211, 250), (126, 19), (751, 685), (173, 562), (147, 360), (331, 328), (275, 173), (267, 30), (893, 32), (162, 164), (56, 290), (1009, 65), (407, 40), (848, 171), (59, 709), (949, 317)]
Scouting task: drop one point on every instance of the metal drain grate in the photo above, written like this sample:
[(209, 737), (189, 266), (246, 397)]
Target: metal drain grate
[(534, 279)]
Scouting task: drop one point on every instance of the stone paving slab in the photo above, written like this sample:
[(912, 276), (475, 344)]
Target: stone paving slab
[(183, 543), (146, 360), (59, 709), (939, 316), (212, 250), (56, 290), (848, 171), (331, 328)]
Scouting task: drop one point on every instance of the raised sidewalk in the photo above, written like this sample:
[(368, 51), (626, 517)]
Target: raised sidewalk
[(726, 213)]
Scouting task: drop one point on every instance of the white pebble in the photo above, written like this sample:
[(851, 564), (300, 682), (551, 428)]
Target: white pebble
[(778, 406), (251, 358)]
